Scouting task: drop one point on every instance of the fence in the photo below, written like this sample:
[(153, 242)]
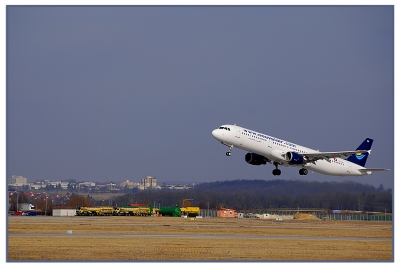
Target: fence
[(323, 216), (208, 213), (354, 217)]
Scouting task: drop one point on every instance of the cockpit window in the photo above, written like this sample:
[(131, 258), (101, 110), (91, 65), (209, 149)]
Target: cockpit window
[(224, 128)]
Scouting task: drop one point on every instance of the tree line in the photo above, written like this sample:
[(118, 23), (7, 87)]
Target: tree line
[(245, 195)]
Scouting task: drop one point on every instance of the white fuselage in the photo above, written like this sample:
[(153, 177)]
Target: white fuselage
[(274, 149)]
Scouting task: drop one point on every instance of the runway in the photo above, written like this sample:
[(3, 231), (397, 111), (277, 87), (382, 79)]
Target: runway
[(175, 236), (152, 238)]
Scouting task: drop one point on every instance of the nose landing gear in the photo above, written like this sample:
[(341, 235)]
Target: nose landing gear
[(229, 152)]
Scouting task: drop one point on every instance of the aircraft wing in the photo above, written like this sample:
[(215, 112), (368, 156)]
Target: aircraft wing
[(312, 157)]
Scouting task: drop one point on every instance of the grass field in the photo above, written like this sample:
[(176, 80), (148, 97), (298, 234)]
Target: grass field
[(207, 239)]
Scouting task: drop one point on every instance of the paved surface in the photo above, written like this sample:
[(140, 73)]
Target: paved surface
[(174, 236)]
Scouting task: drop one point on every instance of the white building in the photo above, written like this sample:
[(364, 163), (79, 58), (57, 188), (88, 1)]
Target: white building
[(87, 184), (37, 186), (129, 184), (148, 183), (64, 212), (64, 185), (16, 180)]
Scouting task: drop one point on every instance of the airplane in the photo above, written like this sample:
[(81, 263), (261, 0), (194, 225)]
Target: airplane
[(263, 148)]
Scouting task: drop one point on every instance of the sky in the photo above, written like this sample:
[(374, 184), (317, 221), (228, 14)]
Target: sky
[(100, 93)]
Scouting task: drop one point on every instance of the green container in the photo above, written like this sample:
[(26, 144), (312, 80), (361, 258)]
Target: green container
[(170, 211)]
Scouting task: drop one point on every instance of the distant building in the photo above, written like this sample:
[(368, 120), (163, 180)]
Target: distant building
[(177, 187), (16, 180), (148, 183), (37, 185), (129, 185), (86, 184), (63, 185)]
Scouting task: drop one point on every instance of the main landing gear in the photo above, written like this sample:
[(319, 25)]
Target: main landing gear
[(303, 171), (277, 171)]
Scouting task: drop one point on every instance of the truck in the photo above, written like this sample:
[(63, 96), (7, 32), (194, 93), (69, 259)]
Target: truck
[(26, 206), (190, 211), (94, 211), (126, 211)]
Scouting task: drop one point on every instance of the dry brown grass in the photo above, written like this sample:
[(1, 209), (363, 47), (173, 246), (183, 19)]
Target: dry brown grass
[(142, 238)]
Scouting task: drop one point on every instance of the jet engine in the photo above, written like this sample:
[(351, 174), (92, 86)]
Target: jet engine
[(255, 159), (294, 158)]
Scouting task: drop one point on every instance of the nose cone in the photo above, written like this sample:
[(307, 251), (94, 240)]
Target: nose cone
[(215, 133)]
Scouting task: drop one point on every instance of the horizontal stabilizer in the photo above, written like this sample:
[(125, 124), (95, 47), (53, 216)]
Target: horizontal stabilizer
[(329, 155), (370, 171)]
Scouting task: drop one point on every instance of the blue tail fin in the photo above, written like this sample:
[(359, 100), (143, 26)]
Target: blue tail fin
[(361, 158)]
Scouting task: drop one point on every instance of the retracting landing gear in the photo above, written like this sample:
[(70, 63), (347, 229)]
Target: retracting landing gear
[(277, 171), (229, 152), (303, 171)]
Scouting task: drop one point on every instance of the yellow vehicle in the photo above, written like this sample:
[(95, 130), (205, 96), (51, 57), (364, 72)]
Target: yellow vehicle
[(126, 211), (147, 211), (190, 211), (109, 211), (87, 211), (135, 211), (95, 211), (106, 211)]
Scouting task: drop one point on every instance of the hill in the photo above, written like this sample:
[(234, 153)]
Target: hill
[(287, 187)]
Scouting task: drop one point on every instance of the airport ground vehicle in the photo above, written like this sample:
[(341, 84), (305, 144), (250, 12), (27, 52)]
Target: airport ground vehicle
[(190, 211), (138, 211), (170, 211), (110, 211), (135, 211), (95, 211), (29, 213)]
